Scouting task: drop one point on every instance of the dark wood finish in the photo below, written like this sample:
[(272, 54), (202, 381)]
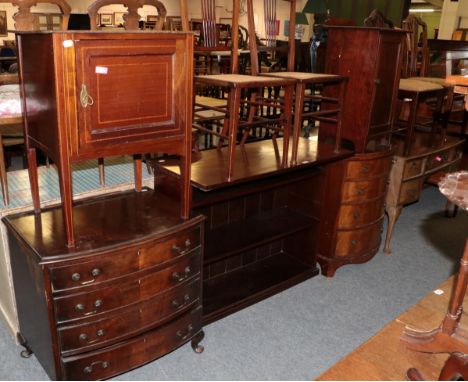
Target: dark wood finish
[(370, 58), (353, 228), (129, 93), (262, 227), (410, 171), (127, 293)]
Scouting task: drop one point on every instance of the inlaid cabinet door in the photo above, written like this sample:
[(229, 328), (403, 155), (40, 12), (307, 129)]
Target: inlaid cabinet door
[(128, 90)]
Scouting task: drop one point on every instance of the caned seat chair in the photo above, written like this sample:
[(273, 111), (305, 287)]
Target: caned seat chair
[(326, 96), (248, 91), (11, 125)]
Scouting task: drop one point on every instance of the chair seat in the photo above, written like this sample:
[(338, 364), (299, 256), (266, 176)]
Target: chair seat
[(305, 77), (436, 80), (413, 85), (242, 80)]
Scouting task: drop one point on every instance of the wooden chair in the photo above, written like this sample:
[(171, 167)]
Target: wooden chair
[(131, 18), (417, 91), (246, 90), (378, 20), (326, 104)]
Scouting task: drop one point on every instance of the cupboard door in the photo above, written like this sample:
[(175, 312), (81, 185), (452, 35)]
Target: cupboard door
[(127, 91)]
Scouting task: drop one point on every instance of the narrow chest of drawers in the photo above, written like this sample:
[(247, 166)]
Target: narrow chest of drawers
[(354, 230), (127, 294)]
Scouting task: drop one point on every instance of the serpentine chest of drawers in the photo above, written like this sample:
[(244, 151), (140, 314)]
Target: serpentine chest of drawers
[(353, 227), (127, 293)]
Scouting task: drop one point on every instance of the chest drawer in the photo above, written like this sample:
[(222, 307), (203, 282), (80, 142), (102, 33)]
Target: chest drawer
[(135, 320), (368, 168), (410, 191), (352, 215), (123, 356), (437, 160), (118, 295), (357, 242), (109, 265), (412, 168), (358, 191)]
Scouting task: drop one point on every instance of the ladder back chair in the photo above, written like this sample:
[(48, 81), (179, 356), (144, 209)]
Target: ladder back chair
[(326, 96), (247, 91)]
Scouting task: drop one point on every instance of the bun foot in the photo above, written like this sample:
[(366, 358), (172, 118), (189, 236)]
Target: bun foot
[(27, 352), (197, 348)]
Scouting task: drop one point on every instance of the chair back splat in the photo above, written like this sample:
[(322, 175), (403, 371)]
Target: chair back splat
[(132, 17)]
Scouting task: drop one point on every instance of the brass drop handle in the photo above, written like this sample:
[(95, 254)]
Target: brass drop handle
[(178, 305), (97, 304), (176, 276), (179, 250), (79, 307), (83, 337), (180, 334), (85, 99), (89, 369)]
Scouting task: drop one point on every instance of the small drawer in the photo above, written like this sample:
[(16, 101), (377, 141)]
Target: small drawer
[(118, 295), (352, 215), (135, 320), (360, 241), (109, 265), (113, 360), (436, 160), (410, 191), (368, 168), (358, 191), (412, 168)]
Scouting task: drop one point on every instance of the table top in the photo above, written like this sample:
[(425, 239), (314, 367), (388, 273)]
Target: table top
[(454, 187), (457, 80)]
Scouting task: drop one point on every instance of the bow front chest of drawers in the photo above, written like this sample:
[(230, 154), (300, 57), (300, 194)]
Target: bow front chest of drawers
[(127, 293)]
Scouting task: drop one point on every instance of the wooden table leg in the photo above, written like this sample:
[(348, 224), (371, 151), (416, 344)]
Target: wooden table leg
[(393, 213), (448, 338)]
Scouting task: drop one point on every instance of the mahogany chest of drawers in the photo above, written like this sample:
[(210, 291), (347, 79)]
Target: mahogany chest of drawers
[(353, 232), (128, 293)]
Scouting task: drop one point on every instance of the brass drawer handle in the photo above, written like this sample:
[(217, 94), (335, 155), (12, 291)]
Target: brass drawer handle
[(361, 191), (356, 215), (180, 334), (100, 332), (89, 369), (76, 276), (353, 242), (95, 272), (79, 307), (179, 305), (365, 169), (83, 337), (97, 304), (178, 250), (176, 276)]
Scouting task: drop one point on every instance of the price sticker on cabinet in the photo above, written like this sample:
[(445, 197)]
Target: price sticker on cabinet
[(102, 69)]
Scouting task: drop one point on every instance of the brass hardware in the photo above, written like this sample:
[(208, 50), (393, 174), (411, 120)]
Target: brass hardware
[(183, 336), (188, 243), (178, 305), (98, 303), (361, 191), (100, 332), (353, 242), (356, 215), (176, 276), (365, 169), (105, 365), (85, 99), (95, 272), (76, 277), (83, 337), (88, 370), (79, 307), (377, 81), (178, 250)]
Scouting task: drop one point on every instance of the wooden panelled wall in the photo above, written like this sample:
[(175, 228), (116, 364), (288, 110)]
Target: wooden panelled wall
[(358, 10)]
